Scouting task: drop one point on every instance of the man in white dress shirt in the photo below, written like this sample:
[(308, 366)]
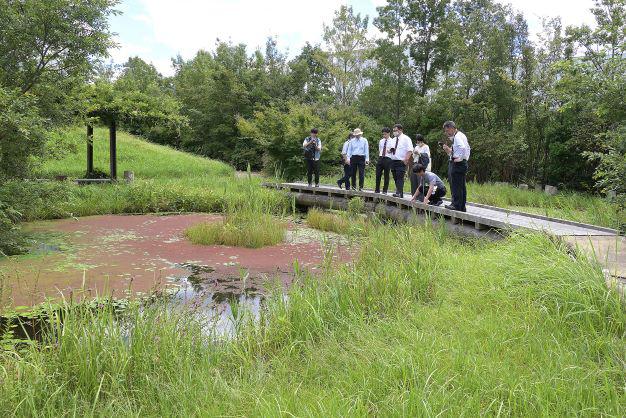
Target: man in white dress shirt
[(400, 153), (383, 165), (457, 167)]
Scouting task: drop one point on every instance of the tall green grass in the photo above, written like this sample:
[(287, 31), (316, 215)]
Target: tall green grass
[(239, 229), (434, 326)]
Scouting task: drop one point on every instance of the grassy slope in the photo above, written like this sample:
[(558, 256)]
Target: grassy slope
[(166, 180)]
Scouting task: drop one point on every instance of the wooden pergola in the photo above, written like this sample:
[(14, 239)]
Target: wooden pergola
[(112, 151)]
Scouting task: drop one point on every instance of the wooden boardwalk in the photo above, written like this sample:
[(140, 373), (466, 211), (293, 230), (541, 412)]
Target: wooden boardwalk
[(604, 244)]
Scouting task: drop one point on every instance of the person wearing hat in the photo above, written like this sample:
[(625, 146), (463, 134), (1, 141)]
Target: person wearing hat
[(359, 157)]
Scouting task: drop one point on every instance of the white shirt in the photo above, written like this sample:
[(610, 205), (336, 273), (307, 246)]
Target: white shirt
[(344, 150), (460, 146), (402, 144), (381, 145), (420, 150)]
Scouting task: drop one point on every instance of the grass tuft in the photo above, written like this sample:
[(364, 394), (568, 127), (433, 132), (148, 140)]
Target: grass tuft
[(247, 229)]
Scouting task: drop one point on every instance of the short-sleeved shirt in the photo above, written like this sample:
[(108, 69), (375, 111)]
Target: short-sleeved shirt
[(317, 149), (402, 145), (460, 146), (420, 150), (431, 178)]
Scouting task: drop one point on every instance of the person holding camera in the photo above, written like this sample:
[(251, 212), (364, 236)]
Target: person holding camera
[(436, 188), (383, 165), (359, 156), (346, 164), (312, 146), (400, 155), (459, 153), (421, 155)]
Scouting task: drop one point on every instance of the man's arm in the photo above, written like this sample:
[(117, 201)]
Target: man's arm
[(430, 192), (319, 144)]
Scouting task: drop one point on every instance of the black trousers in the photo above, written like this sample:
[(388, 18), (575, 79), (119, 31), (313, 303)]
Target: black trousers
[(456, 174), (437, 195), (313, 167), (382, 170), (398, 168), (357, 162), (347, 172), (415, 182)]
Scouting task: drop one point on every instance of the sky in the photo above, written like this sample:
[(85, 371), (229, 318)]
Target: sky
[(157, 30)]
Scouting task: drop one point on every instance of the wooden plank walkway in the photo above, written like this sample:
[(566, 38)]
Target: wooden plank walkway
[(604, 245), (479, 215)]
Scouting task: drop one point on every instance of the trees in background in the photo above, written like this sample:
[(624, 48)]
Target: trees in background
[(544, 111)]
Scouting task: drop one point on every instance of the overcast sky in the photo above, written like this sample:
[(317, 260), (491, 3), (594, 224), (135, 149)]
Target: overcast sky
[(157, 30)]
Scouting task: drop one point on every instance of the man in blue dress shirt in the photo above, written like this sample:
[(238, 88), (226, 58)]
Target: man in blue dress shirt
[(359, 156)]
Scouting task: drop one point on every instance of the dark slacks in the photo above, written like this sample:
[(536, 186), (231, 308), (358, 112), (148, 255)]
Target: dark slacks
[(398, 169), (347, 172), (313, 167), (415, 182), (456, 175), (382, 170), (357, 162), (437, 195)]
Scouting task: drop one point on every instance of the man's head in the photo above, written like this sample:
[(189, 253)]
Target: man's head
[(419, 138), (357, 133), (449, 127), (314, 132), (397, 129), (386, 132), (419, 169)]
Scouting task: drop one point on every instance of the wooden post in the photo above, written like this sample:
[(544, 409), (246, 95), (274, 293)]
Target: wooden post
[(113, 150), (89, 149)]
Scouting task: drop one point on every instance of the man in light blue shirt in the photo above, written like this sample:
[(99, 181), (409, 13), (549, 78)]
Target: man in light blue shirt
[(359, 157)]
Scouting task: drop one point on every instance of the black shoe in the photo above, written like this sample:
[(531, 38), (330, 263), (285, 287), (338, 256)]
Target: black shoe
[(397, 195), (317, 185), (437, 203), (451, 207), (339, 184), (376, 191), (310, 185), (360, 189)]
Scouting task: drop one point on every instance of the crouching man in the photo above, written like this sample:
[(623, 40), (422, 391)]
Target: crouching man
[(436, 188)]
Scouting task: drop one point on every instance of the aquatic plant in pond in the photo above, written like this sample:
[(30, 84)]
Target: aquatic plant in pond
[(239, 229), (340, 222)]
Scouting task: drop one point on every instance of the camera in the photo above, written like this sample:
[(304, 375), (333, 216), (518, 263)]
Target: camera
[(440, 143)]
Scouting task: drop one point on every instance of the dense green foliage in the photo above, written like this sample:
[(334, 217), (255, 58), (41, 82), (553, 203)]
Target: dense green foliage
[(435, 326)]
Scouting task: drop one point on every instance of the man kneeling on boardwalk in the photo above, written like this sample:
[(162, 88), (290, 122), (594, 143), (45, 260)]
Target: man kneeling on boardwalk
[(436, 188)]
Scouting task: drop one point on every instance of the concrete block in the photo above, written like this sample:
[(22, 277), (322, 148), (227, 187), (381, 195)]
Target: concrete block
[(129, 176), (551, 190), (523, 186), (611, 194)]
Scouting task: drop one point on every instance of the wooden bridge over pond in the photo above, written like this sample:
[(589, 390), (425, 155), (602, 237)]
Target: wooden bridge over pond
[(605, 244)]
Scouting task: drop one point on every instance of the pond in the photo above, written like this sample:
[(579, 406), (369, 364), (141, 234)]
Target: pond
[(128, 256)]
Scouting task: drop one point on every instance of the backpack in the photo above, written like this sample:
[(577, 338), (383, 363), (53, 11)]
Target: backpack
[(423, 159), (309, 152)]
